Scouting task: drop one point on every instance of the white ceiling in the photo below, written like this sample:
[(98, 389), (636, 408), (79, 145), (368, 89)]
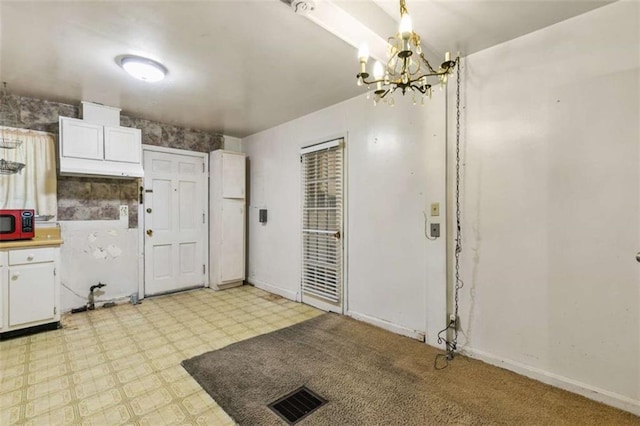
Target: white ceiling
[(235, 67)]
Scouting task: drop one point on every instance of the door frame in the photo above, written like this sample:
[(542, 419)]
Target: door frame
[(141, 224), (345, 222)]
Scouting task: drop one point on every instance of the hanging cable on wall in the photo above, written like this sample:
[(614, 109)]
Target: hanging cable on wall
[(452, 328)]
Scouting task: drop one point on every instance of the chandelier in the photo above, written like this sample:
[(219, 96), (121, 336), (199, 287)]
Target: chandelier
[(407, 69)]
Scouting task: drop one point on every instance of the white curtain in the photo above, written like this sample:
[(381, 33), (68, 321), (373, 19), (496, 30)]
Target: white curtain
[(34, 187)]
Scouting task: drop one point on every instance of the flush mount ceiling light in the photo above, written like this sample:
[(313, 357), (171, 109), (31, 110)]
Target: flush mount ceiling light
[(142, 68), (407, 68)]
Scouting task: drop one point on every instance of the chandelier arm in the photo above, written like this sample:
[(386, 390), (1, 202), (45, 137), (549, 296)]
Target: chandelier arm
[(372, 82), (419, 88), (428, 64), (386, 92)]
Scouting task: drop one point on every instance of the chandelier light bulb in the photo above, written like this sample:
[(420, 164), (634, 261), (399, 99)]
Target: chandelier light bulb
[(363, 52), (406, 26), (378, 71)]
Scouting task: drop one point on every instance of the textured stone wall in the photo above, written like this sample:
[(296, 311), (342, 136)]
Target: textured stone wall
[(90, 198)]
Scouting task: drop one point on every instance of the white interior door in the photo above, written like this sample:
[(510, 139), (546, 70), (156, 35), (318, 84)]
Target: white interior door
[(175, 221), (322, 230)]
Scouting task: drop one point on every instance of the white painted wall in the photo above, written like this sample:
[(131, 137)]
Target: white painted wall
[(395, 169), (98, 251), (551, 209)]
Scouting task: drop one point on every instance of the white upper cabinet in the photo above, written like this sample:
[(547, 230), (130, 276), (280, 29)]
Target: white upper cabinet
[(88, 148), (233, 175), (122, 144), (82, 140)]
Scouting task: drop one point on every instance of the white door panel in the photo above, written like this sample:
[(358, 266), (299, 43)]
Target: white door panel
[(232, 248), (175, 227)]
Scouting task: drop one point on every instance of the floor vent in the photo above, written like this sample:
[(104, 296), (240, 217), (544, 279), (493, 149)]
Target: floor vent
[(297, 405)]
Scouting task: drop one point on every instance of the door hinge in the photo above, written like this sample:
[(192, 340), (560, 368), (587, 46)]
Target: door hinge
[(203, 217), (204, 269), (55, 310), (203, 167), (54, 272)]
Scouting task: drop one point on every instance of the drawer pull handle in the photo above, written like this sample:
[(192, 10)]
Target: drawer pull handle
[(15, 276), (30, 257)]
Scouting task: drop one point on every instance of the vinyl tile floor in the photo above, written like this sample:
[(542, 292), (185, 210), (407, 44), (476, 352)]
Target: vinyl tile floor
[(121, 365)]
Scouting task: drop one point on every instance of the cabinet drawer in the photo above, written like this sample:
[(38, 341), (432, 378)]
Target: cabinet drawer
[(26, 256)]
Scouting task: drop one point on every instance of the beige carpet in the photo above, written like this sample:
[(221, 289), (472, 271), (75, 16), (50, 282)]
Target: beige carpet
[(373, 377)]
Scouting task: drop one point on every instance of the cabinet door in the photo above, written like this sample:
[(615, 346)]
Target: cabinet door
[(31, 293), (233, 175), (122, 144), (232, 241), (3, 274), (81, 140)]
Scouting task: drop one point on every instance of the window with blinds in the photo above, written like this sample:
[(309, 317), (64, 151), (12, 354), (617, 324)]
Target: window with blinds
[(322, 221)]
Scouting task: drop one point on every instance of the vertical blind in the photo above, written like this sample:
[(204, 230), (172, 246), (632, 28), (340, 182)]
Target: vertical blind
[(322, 221)]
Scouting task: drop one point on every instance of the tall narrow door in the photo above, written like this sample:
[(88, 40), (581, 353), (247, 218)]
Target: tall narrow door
[(322, 230), (175, 221)]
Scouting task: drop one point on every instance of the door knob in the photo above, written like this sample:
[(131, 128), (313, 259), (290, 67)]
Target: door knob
[(148, 210), (638, 256), (337, 235), (150, 232)]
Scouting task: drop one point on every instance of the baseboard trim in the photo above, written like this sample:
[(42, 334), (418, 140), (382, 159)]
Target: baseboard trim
[(291, 295), (592, 392), (394, 328)]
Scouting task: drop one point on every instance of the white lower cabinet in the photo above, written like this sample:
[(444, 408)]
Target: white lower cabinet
[(30, 288), (31, 294), (3, 274)]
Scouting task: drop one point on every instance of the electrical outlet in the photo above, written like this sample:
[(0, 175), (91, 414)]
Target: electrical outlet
[(435, 230), (455, 321), (435, 209), (124, 212)]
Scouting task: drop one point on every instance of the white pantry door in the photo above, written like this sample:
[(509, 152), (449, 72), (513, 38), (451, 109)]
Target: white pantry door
[(175, 221)]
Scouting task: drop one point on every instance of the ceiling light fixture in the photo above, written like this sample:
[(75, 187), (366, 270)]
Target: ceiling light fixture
[(407, 68), (142, 68)]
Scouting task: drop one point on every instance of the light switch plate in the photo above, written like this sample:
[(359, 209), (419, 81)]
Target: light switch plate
[(435, 209)]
